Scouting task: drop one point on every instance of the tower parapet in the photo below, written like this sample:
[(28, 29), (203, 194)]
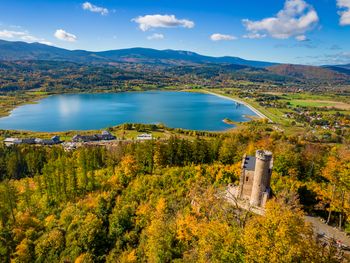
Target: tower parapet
[(263, 155)]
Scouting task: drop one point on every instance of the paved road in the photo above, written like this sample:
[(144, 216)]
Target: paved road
[(330, 232)]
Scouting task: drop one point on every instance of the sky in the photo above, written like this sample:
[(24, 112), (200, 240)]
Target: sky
[(288, 31)]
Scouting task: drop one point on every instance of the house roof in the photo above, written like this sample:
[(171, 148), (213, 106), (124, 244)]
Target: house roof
[(249, 163), (11, 140)]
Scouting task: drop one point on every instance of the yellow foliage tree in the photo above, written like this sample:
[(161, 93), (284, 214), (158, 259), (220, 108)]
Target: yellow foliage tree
[(281, 235)]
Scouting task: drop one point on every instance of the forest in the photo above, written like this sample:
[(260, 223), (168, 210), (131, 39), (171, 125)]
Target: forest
[(57, 76), (161, 201)]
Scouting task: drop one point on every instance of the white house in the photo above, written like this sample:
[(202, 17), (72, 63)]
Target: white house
[(12, 141)]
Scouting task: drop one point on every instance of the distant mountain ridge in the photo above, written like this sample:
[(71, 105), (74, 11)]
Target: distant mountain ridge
[(344, 69), (22, 51), (10, 51)]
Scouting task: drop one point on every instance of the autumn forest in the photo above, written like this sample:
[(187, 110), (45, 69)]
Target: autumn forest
[(161, 201)]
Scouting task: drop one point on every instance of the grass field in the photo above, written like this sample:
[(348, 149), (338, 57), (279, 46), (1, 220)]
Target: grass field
[(311, 103), (320, 103)]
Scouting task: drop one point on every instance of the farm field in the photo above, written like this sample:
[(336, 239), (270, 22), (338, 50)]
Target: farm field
[(321, 103)]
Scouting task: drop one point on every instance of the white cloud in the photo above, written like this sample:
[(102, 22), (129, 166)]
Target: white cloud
[(153, 21), (345, 12), (95, 9), (340, 58), (219, 37), (295, 19), (12, 34), (48, 43), (156, 36), (30, 38), (20, 35), (65, 36)]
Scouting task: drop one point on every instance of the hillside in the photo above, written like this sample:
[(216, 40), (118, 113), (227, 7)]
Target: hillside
[(36, 51), (346, 66), (161, 201), (344, 69), (23, 51), (308, 72)]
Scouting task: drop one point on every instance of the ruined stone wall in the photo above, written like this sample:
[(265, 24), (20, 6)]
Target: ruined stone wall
[(247, 184)]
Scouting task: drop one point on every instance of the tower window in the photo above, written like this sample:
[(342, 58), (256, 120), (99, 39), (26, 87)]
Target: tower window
[(247, 179)]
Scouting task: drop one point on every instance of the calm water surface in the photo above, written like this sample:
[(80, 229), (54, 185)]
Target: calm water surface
[(185, 110)]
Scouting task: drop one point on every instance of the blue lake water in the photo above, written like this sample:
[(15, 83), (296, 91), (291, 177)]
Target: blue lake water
[(195, 111)]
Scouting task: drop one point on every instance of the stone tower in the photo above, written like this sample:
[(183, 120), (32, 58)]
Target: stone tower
[(255, 178), (262, 178)]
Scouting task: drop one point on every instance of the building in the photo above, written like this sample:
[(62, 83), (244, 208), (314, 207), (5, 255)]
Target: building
[(54, 140), (104, 136), (145, 137), (254, 184), (84, 138), (16, 141), (12, 141)]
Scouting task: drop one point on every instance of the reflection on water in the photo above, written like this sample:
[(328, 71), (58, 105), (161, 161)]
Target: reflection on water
[(68, 105), (96, 111)]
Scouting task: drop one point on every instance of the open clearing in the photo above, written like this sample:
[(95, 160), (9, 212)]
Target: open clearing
[(321, 103)]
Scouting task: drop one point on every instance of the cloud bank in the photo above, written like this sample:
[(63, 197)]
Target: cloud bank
[(22, 35), (294, 20), (165, 21), (65, 36), (95, 9)]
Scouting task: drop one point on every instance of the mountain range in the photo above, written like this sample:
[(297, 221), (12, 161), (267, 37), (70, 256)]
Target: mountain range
[(19, 51), (36, 51)]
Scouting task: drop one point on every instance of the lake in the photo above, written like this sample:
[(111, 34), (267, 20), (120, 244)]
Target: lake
[(187, 110)]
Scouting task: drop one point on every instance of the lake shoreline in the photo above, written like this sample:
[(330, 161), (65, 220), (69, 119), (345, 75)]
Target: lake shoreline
[(257, 112)]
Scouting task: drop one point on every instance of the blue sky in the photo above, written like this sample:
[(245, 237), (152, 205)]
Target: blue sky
[(291, 31)]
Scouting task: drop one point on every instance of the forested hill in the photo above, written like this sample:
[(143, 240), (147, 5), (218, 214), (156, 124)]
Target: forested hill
[(35, 51), (160, 201), (311, 72), (148, 65)]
